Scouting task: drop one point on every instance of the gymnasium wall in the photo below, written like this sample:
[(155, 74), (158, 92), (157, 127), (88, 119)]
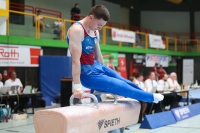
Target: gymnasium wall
[(166, 21)]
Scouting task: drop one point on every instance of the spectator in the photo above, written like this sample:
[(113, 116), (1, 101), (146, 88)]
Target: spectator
[(140, 79), (110, 63), (41, 20), (137, 37), (1, 84), (174, 85), (164, 40), (117, 69), (4, 100), (75, 13), (161, 72), (150, 84), (164, 86), (14, 81), (155, 70), (134, 79), (57, 25), (172, 81)]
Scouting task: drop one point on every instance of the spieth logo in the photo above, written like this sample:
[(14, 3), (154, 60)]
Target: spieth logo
[(100, 123), (108, 123), (9, 53)]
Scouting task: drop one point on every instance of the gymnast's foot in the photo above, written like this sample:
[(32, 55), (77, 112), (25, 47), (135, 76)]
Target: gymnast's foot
[(157, 97)]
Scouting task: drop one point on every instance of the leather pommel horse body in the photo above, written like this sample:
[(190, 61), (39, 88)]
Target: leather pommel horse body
[(104, 117)]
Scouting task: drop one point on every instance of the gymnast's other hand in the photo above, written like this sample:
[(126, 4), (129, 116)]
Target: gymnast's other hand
[(78, 93)]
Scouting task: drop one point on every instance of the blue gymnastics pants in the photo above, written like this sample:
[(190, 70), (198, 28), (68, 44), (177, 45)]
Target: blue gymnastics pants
[(104, 79)]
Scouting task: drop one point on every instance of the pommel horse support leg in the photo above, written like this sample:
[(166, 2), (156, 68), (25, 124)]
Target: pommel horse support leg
[(86, 119)]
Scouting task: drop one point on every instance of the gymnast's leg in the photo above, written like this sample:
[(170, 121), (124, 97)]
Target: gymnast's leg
[(108, 84)]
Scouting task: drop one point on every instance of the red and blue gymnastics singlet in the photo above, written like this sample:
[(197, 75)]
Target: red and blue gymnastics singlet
[(88, 45)]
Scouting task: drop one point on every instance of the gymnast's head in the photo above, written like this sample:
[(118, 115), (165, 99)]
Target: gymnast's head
[(98, 16)]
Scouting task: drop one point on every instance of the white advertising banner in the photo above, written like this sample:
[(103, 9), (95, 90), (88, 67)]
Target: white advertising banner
[(188, 71), (155, 41), (123, 35), (151, 59), (17, 55)]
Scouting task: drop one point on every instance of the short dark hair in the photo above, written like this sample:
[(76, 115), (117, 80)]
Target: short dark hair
[(39, 11), (151, 72), (111, 58), (135, 75), (156, 64), (100, 12), (140, 74), (76, 4), (11, 73)]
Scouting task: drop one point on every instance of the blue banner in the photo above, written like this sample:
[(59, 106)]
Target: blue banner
[(181, 113)]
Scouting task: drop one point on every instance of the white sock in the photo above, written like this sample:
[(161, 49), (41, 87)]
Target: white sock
[(157, 97)]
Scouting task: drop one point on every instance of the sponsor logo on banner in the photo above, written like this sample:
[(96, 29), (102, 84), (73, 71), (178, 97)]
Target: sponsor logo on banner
[(151, 59), (155, 41), (181, 113), (122, 65), (108, 123), (16, 55), (123, 35)]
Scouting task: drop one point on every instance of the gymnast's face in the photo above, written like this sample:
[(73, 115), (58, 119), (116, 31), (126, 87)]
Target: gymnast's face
[(96, 24)]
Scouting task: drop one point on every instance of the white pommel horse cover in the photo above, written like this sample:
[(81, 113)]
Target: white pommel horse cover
[(87, 119)]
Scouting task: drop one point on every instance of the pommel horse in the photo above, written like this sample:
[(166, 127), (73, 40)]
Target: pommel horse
[(93, 118)]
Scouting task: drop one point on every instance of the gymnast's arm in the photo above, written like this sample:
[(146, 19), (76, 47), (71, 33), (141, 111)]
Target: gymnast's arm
[(98, 55), (75, 35)]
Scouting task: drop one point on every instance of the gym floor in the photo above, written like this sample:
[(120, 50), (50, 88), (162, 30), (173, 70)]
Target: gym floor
[(191, 125)]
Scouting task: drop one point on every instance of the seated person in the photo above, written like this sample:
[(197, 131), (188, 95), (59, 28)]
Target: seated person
[(134, 79), (41, 20), (174, 85), (57, 25), (14, 81), (151, 83), (172, 80), (4, 100), (140, 79), (1, 83), (151, 86), (164, 86)]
